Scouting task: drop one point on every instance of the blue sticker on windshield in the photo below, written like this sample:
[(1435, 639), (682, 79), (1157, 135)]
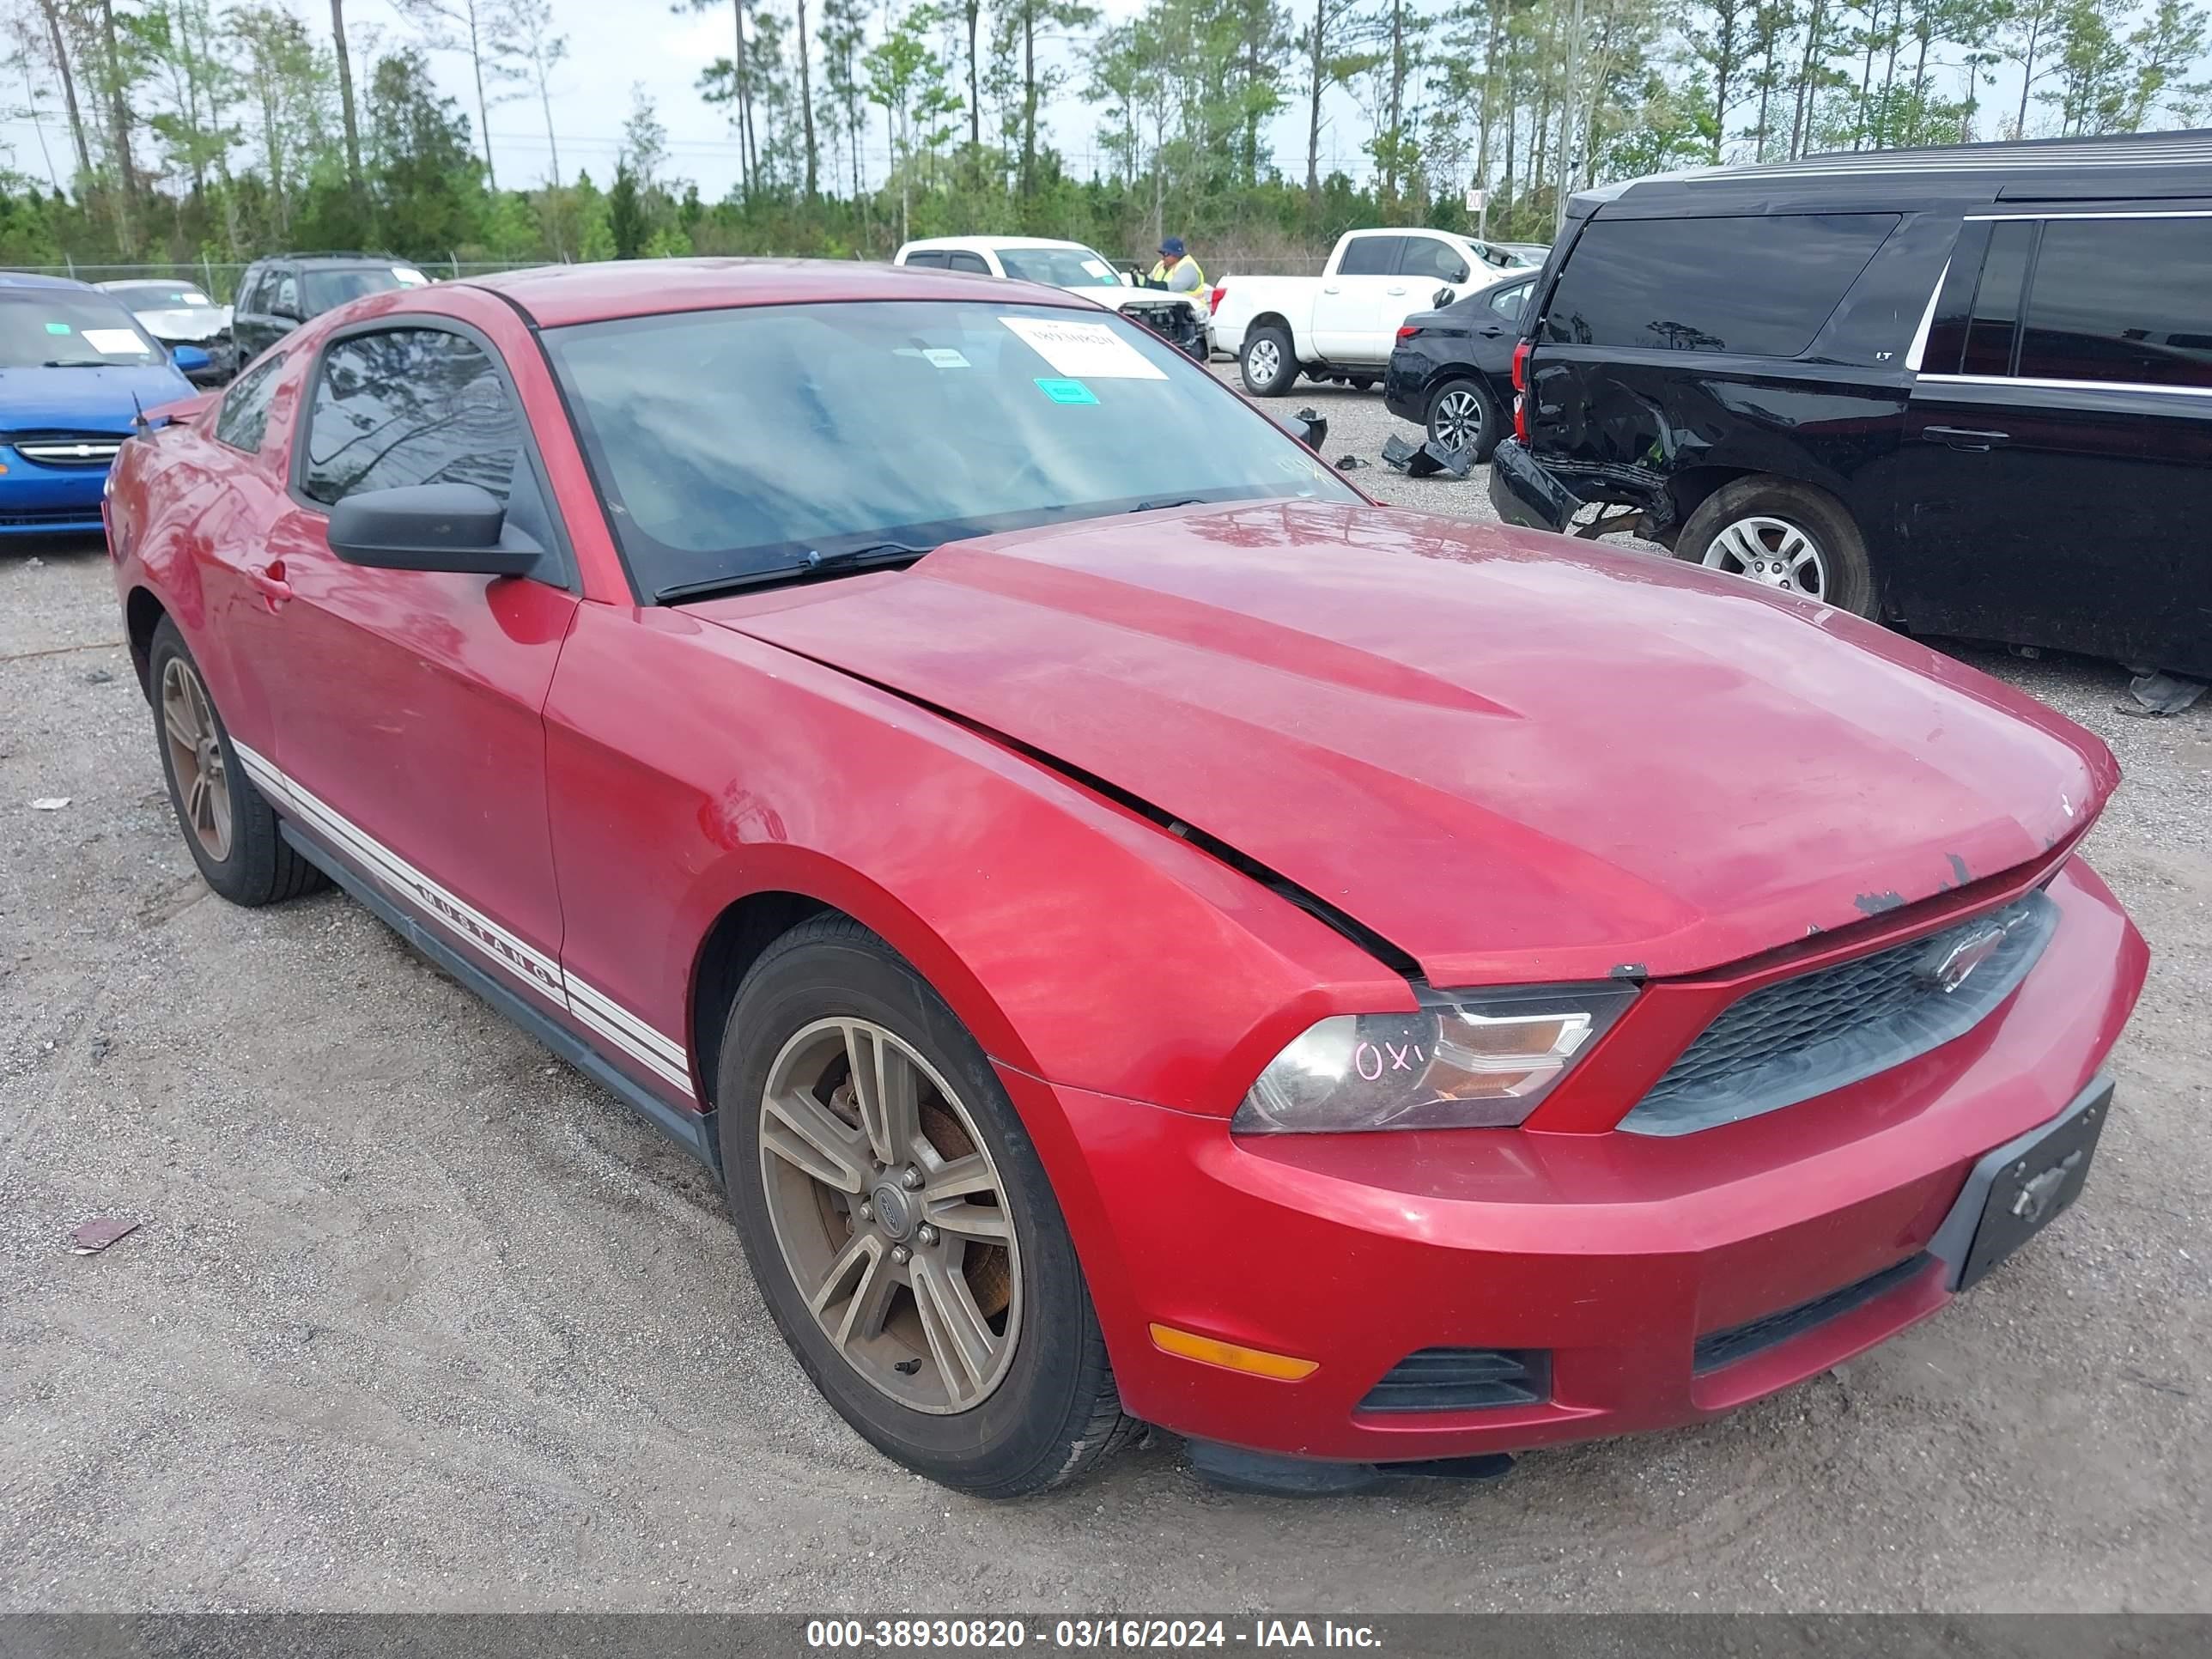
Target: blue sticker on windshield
[(57, 328), (1067, 391)]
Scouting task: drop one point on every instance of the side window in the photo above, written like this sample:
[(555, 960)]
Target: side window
[(1995, 314), (2112, 300), (1425, 256), (929, 258), (1507, 301), (243, 416), (287, 302), (408, 406), (1760, 287), (249, 289), (1369, 256), (969, 262)]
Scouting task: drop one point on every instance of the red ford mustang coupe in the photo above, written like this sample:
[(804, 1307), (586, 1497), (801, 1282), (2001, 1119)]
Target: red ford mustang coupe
[(1142, 933)]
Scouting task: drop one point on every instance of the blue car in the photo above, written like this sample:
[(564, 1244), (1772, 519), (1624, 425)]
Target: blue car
[(76, 368)]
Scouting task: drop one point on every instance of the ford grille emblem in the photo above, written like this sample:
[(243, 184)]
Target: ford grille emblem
[(1952, 963)]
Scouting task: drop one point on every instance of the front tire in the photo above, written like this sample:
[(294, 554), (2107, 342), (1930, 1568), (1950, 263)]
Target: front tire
[(229, 829), (1461, 416), (1268, 364), (1787, 536), (900, 1225)]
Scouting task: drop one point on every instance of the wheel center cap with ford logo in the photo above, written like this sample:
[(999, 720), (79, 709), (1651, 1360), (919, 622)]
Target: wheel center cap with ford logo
[(894, 1209)]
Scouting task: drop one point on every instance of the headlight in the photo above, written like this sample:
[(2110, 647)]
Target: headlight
[(1466, 1061)]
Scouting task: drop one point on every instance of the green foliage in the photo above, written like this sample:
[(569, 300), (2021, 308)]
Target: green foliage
[(210, 130)]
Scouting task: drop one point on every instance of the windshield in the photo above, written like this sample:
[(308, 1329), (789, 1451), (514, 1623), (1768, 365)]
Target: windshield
[(324, 290), (731, 442), (160, 296), (1059, 267), (69, 328)]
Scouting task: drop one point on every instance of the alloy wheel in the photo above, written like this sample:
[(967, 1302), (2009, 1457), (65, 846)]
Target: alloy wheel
[(1458, 419), (1770, 551), (1264, 360), (891, 1218), (196, 757)]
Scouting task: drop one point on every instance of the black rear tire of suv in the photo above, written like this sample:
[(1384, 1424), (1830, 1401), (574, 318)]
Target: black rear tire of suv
[(1272, 346), (1848, 578)]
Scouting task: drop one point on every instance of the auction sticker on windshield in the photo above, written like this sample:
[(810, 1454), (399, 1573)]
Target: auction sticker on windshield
[(1083, 351), (113, 342)]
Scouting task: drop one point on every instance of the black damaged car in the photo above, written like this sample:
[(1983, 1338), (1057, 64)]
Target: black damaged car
[(1451, 371), (1968, 391)]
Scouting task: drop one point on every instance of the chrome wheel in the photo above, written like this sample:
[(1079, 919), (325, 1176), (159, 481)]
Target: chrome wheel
[(1770, 551), (1264, 362), (890, 1216), (196, 761), (1456, 421)]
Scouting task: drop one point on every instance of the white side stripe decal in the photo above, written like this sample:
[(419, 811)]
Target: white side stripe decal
[(659, 1054)]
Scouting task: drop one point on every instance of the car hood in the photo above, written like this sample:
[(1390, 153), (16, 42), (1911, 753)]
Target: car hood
[(86, 399), (1514, 757), (186, 323)]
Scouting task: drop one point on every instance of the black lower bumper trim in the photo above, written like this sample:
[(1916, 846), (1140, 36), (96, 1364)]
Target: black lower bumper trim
[(1524, 494)]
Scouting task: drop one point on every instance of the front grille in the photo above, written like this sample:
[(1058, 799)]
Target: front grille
[(66, 448), (1741, 1341), (1799, 1037), (1463, 1379)]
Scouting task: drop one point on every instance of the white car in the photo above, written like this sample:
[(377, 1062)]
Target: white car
[(1341, 325), (1180, 318)]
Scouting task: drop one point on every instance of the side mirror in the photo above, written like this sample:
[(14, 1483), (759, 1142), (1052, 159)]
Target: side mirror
[(447, 526), (190, 358), (1443, 297)]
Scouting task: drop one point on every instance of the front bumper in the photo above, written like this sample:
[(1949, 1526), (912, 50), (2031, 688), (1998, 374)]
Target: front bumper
[(1611, 1255), (43, 500)]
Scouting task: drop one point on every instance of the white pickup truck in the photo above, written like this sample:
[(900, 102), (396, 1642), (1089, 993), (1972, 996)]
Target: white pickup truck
[(1341, 325)]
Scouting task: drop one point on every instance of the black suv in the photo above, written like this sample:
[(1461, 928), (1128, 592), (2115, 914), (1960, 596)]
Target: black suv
[(276, 295), (1967, 390)]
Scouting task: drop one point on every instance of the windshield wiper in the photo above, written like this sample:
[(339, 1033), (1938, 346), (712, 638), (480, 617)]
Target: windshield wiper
[(55, 363), (1156, 507), (874, 556)]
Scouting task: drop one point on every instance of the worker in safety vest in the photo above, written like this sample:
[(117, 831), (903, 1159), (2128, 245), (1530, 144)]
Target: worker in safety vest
[(1178, 273)]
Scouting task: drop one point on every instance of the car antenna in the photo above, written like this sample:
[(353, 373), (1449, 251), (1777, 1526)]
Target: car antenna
[(139, 423)]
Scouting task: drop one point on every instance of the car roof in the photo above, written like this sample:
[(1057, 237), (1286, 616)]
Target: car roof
[(2124, 167), (985, 244), (556, 295), (31, 279)]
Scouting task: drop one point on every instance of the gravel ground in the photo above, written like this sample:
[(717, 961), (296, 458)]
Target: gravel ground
[(418, 1317)]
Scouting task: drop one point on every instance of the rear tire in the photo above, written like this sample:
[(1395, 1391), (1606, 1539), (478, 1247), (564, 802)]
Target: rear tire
[(1363, 383), (1780, 533), (1462, 417), (902, 1274), (229, 826), (1268, 364)]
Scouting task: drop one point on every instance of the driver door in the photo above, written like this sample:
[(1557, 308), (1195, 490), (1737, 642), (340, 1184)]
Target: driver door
[(1347, 309), (407, 703)]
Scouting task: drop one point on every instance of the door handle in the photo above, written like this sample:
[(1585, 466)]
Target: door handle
[(1393, 290), (1965, 437), (269, 582), (1328, 289)]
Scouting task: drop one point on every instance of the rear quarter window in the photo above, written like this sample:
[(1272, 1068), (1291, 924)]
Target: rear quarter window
[(1757, 287)]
